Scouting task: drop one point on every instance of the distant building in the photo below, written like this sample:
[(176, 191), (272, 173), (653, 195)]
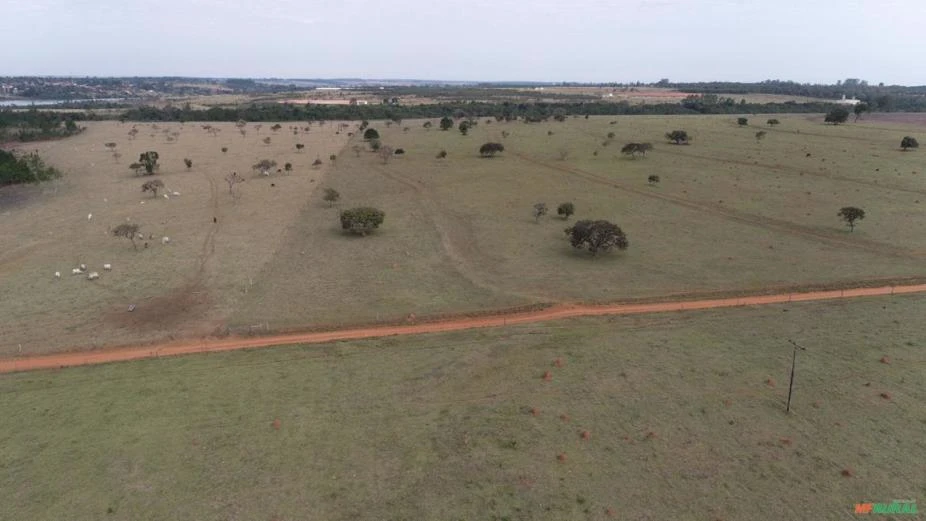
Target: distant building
[(845, 101)]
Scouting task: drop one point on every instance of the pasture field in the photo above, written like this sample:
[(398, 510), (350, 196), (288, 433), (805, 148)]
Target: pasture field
[(731, 214), (663, 416), (183, 288)]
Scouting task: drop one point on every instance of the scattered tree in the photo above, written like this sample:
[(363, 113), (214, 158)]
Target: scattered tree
[(836, 116), (446, 123), (317, 163), (333, 158), (150, 161), (442, 154), (742, 121), (361, 220), (632, 149), (275, 127), (859, 109), (677, 136), (152, 186), (385, 153), (505, 134), (399, 151), (111, 146), (264, 166), (760, 135), (224, 149), (559, 115), (375, 145), (653, 179), (540, 209), (188, 162), (772, 122), (427, 125), (331, 196), (850, 214), (490, 149), (137, 168), (232, 179), (464, 127), (299, 146), (565, 210), (908, 142), (288, 167), (267, 140), (596, 236), (127, 231), (611, 135)]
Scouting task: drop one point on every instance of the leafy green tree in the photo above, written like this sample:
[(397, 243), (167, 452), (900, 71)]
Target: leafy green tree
[(859, 109), (836, 116), (490, 149), (540, 209), (299, 146), (264, 166), (653, 179), (16, 168), (288, 167), (850, 214), (152, 186), (224, 149), (596, 236), (632, 149), (188, 162), (464, 127), (772, 122), (361, 220), (331, 196), (446, 123), (742, 121), (370, 134), (677, 136), (909, 142), (565, 210), (127, 231), (150, 161)]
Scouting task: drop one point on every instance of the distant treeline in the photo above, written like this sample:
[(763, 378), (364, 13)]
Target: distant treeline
[(32, 124), (883, 97), (502, 111)]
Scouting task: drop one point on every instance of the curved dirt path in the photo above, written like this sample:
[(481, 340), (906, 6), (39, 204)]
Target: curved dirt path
[(555, 313)]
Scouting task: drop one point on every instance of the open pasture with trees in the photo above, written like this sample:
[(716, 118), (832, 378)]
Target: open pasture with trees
[(217, 240), (725, 213), (664, 416), (254, 247)]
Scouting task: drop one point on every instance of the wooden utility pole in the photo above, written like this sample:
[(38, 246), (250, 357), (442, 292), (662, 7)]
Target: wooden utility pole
[(793, 364)]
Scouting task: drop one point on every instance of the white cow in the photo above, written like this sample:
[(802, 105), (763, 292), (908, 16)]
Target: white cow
[(93, 275), (83, 267), (107, 267), (165, 239), (57, 274), (76, 271)]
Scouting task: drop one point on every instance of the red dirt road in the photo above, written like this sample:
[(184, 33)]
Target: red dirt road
[(556, 313)]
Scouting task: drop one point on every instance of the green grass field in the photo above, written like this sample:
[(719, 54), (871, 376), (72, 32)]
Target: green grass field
[(684, 414), (730, 213)]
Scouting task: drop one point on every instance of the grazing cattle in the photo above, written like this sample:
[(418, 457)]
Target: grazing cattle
[(93, 275), (76, 271), (83, 267), (107, 267), (57, 274), (165, 240)]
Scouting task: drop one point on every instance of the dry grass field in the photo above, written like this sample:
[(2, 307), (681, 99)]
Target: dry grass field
[(183, 288), (672, 416), (731, 214)]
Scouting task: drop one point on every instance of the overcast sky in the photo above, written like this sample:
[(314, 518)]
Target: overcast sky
[(817, 41)]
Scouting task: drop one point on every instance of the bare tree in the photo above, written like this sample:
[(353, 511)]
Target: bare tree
[(152, 186), (127, 231), (385, 153), (232, 179)]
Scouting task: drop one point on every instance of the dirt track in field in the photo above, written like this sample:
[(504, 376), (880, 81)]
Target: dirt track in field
[(556, 313)]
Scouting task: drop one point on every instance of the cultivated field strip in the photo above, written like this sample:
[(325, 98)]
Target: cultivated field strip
[(555, 313)]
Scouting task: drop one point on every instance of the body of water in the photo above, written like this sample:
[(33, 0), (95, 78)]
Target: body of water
[(48, 102)]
